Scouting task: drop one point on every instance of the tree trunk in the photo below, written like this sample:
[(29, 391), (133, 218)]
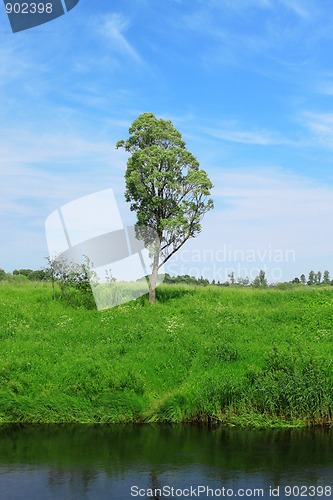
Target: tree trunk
[(153, 279)]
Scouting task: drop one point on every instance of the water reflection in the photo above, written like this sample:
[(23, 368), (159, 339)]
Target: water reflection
[(104, 462)]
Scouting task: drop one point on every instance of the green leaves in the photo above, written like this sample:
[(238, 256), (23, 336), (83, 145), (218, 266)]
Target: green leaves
[(147, 131), (164, 183)]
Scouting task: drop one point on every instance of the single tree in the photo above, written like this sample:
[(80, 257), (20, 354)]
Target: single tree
[(303, 279), (326, 278), (311, 279), (260, 280), (232, 277), (166, 188)]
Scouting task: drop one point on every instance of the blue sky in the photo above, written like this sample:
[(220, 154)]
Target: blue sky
[(249, 84)]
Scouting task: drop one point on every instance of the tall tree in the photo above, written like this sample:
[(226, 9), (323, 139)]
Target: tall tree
[(260, 280), (326, 278), (311, 279), (165, 186), (232, 277)]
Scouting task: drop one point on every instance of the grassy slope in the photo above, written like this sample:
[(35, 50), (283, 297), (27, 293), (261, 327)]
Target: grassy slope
[(240, 356)]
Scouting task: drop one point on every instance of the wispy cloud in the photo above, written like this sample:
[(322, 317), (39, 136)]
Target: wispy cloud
[(229, 131), (27, 147), (113, 27), (238, 41), (39, 173), (297, 7), (320, 126), (45, 170), (325, 87), (263, 209), (274, 195), (236, 4)]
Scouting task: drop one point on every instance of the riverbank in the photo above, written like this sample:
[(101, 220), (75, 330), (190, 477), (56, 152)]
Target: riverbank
[(240, 356)]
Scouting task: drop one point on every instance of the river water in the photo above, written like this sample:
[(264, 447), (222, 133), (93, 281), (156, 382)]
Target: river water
[(148, 461)]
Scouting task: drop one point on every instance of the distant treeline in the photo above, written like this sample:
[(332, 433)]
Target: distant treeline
[(259, 281), (24, 274), (313, 279)]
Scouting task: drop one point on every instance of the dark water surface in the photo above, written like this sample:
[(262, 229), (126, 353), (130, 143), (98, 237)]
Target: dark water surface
[(124, 462)]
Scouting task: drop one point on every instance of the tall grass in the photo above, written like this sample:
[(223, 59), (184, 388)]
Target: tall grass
[(239, 356)]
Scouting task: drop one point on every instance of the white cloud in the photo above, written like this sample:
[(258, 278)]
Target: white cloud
[(113, 27), (320, 126), (325, 87), (297, 7), (230, 132), (30, 194), (236, 4), (265, 213), (237, 40)]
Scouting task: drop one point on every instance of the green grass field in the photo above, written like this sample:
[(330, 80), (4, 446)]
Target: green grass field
[(240, 356)]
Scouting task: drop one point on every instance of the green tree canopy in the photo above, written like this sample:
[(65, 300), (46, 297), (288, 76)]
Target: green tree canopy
[(326, 278), (311, 279), (260, 280), (165, 186)]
